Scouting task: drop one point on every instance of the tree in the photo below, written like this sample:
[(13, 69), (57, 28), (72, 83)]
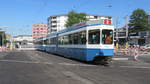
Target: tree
[(74, 18), (138, 21)]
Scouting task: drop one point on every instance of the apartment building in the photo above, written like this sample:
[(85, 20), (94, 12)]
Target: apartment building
[(39, 31)]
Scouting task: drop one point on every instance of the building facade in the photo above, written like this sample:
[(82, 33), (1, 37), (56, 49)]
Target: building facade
[(140, 38), (134, 38), (120, 35), (39, 31), (23, 39), (148, 18), (57, 22), (2, 37)]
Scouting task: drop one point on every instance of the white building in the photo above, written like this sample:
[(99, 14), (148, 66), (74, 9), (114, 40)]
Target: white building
[(57, 22), (140, 38), (23, 39)]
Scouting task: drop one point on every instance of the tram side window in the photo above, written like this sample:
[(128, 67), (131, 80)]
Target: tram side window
[(65, 40), (53, 40), (46, 42), (107, 36), (75, 39), (70, 38), (59, 40), (82, 37), (49, 41), (94, 36), (38, 43)]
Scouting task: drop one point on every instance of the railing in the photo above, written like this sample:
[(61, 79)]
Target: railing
[(131, 51)]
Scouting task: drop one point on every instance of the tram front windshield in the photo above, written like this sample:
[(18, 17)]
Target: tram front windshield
[(94, 36), (107, 36)]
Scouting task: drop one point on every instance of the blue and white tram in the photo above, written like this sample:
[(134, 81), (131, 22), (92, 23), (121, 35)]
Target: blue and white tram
[(89, 42)]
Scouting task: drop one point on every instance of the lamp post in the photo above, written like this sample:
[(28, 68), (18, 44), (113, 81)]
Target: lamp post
[(117, 38), (127, 31)]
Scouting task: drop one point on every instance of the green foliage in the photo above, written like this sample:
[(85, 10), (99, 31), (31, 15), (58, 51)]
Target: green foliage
[(6, 41), (74, 18), (138, 21)]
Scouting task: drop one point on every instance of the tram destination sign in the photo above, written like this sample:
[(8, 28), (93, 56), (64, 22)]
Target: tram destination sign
[(102, 21)]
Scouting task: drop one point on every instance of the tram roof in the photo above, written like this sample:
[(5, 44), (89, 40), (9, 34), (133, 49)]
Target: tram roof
[(78, 26)]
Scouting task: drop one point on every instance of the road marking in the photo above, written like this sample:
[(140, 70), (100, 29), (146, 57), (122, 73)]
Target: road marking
[(76, 77), (141, 67), (120, 58), (27, 62)]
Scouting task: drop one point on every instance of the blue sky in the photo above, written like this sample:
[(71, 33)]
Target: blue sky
[(19, 15)]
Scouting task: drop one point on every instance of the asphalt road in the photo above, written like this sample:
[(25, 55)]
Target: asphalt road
[(35, 67)]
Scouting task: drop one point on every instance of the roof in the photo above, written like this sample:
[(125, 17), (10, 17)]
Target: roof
[(67, 15), (78, 26), (23, 36), (2, 30), (58, 15)]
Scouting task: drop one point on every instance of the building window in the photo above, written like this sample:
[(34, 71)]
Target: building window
[(54, 17), (54, 21), (95, 17), (54, 26)]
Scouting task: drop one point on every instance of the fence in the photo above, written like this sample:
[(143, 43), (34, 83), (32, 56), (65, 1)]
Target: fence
[(3, 49), (131, 50)]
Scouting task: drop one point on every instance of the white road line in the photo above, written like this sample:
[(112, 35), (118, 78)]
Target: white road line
[(140, 67), (76, 77), (120, 58)]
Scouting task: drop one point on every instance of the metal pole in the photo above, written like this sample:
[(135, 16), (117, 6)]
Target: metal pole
[(126, 27), (126, 18), (117, 38)]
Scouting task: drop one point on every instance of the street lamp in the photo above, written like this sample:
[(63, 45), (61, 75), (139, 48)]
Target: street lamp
[(127, 31)]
